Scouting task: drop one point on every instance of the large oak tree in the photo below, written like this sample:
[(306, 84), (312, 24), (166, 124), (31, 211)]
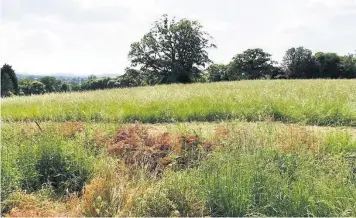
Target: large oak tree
[(172, 51)]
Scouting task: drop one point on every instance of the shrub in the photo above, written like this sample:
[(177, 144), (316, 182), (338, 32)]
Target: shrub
[(47, 160)]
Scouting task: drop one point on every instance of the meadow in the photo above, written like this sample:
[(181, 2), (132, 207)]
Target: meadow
[(316, 102), (183, 150)]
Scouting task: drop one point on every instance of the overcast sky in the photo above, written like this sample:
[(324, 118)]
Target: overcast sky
[(94, 36)]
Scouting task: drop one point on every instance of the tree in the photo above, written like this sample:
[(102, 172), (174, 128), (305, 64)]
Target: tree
[(299, 63), (132, 78), (65, 87), (348, 65), (92, 77), (9, 82), (172, 51), (328, 65), (251, 64), (277, 73), (111, 84), (25, 86), (37, 87), (75, 87), (217, 72), (51, 83), (94, 84)]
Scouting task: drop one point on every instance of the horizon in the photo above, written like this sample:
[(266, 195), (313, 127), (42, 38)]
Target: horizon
[(65, 74), (83, 37)]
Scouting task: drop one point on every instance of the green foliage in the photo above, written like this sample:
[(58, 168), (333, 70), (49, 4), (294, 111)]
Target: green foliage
[(111, 84), (218, 72), (25, 86), (45, 160), (94, 84), (251, 64), (328, 65), (131, 78), (9, 82), (65, 87), (348, 65), (172, 51), (37, 87), (299, 63), (10, 175), (51, 84)]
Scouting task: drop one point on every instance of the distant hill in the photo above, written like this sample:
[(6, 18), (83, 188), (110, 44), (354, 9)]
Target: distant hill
[(71, 78), (62, 76), (59, 76)]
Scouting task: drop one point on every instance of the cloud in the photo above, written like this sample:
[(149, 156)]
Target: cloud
[(68, 10), (91, 36)]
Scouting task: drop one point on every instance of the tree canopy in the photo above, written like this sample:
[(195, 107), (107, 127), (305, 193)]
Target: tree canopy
[(172, 51), (177, 52), (51, 83), (299, 63), (251, 64), (9, 82)]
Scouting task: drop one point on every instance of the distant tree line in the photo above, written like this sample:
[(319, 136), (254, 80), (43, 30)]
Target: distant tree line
[(298, 63), (176, 52)]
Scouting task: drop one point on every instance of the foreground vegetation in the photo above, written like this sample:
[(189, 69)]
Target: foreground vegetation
[(76, 154), (186, 169), (319, 102)]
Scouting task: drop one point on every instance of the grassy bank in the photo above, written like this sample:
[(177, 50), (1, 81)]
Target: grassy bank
[(319, 102)]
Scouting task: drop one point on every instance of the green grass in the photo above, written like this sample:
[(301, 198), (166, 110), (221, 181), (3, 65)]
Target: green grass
[(31, 160), (317, 102), (263, 182), (264, 168)]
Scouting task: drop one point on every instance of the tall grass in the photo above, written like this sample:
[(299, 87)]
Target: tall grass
[(31, 161), (254, 175), (261, 168), (265, 182), (320, 102)]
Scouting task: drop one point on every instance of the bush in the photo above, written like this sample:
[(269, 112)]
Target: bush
[(48, 160)]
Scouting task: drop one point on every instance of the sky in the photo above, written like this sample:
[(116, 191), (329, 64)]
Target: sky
[(93, 36)]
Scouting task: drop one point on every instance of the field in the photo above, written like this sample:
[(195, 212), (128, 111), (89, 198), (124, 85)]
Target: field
[(247, 148), (319, 102)]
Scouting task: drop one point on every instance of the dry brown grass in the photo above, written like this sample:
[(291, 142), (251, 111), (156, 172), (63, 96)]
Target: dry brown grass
[(138, 146), (100, 139), (295, 138), (29, 205), (221, 132), (70, 129), (97, 198), (113, 191)]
